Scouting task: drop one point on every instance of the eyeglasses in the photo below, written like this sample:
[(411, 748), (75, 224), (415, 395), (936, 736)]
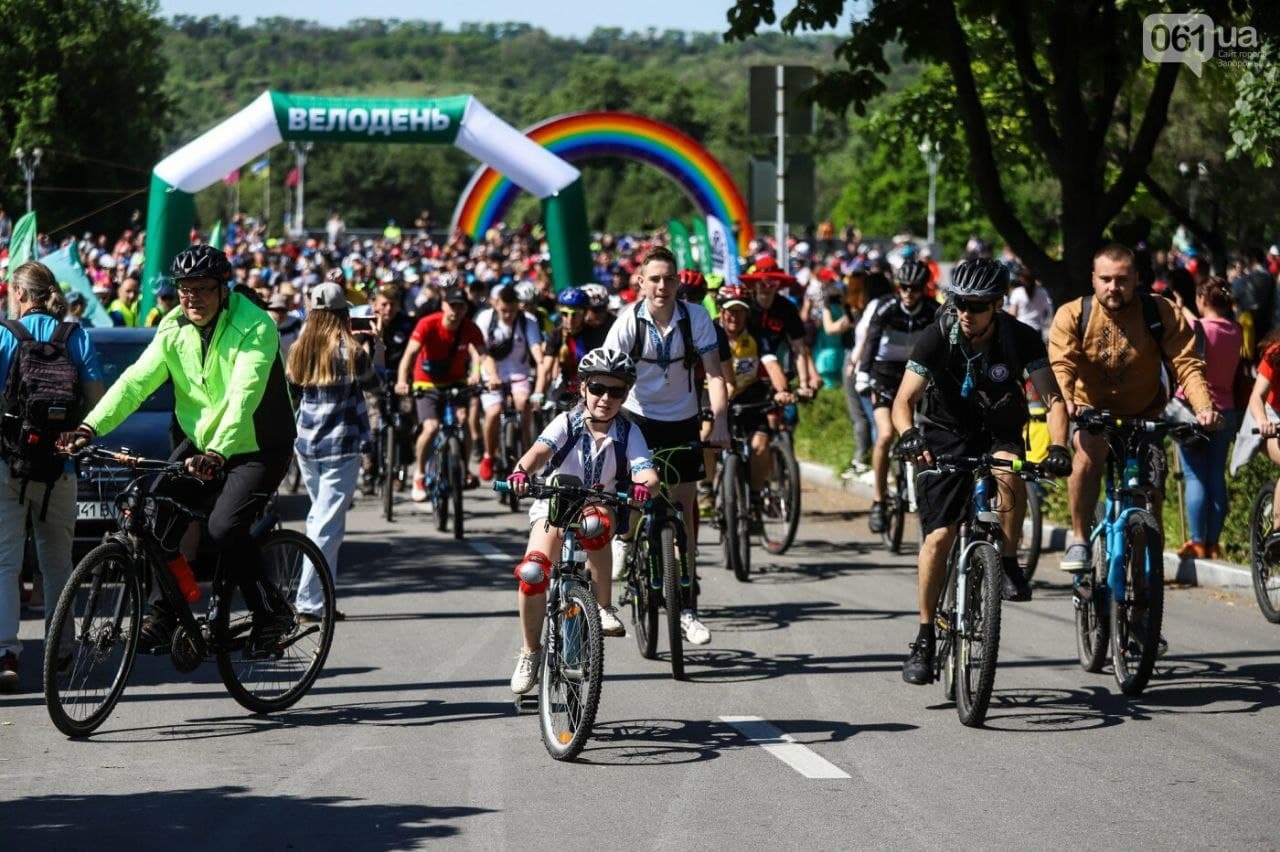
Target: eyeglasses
[(185, 292), (970, 306), (569, 312), (612, 391)]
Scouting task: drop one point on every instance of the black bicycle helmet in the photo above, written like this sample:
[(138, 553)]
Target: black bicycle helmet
[(608, 362), (200, 261), (912, 273), (982, 278)]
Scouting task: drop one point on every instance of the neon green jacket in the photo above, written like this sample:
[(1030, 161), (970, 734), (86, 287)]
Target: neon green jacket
[(234, 400)]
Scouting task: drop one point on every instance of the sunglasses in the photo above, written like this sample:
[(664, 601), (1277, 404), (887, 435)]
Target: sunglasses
[(970, 306), (570, 312), (611, 391)]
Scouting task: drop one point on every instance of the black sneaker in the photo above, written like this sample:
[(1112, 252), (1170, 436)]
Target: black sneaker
[(1271, 548), (875, 518), (265, 634), (1016, 588), (368, 485), (918, 668), (156, 634)]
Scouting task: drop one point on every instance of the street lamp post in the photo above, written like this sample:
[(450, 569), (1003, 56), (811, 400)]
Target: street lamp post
[(300, 151), (932, 153), (27, 161)]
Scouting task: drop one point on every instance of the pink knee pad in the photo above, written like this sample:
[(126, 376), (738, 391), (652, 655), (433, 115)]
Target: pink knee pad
[(534, 573)]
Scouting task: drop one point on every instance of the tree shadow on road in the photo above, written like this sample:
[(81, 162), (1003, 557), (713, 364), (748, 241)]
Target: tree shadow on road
[(752, 618), (222, 818)]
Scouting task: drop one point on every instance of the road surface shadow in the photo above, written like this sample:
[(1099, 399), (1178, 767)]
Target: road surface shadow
[(1194, 684), (1055, 710), (752, 618), (221, 818)]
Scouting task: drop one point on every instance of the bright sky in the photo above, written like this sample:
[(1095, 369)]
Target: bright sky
[(558, 17)]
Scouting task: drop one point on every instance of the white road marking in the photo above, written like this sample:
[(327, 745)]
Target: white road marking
[(782, 746), (488, 551)]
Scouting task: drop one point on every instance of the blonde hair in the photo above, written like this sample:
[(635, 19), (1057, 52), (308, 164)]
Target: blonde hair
[(314, 356), (35, 280)]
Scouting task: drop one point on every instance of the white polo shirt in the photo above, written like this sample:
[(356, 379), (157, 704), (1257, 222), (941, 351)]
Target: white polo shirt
[(662, 393), (516, 365)]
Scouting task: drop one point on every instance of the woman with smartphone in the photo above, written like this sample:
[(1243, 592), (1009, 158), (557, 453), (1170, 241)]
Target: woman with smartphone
[(328, 371)]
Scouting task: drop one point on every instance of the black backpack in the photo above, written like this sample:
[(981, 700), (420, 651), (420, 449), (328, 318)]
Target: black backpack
[(685, 324), (41, 400), (1151, 319)]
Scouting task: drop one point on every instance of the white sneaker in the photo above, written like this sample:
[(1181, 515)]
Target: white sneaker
[(525, 677), (419, 492), (695, 632), (619, 548), (610, 624)]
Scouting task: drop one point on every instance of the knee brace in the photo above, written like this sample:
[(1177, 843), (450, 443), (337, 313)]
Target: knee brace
[(594, 528), (533, 572)]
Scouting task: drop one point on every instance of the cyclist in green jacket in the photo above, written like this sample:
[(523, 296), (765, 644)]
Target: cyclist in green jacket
[(231, 402)]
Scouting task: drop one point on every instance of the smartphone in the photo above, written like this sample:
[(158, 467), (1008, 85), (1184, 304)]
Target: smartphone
[(362, 323)]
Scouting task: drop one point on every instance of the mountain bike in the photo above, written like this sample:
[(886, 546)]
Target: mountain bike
[(1119, 601), (95, 627), (1265, 569), (510, 444), (391, 455), (899, 500), (734, 514), (780, 497), (656, 575), (446, 473), (967, 620), (573, 644)]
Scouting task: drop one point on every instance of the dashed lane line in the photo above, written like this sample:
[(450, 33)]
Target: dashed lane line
[(782, 746)]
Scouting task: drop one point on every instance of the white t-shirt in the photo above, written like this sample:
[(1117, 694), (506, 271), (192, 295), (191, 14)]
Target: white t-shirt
[(662, 392), (595, 460), (516, 365), (1035, 310)]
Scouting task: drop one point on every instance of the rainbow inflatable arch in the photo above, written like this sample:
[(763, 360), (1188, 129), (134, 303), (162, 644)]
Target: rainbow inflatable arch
[(579, 136)]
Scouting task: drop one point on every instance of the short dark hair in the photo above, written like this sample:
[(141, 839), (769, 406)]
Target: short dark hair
[(661, 253), (507, 295), (1115, 252)]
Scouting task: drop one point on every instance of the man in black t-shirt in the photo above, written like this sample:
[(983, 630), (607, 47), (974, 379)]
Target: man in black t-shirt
[(969, 369), (776, 320)]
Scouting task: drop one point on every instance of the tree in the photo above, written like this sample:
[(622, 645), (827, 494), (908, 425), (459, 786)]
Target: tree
[(84, 81), (1089, 105)]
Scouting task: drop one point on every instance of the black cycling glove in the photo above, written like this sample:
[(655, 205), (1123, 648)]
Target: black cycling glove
[(1057, 461), (911, 445)]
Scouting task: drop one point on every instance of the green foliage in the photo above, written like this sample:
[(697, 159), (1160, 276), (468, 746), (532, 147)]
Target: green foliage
[(1255, 115), (84, 81), (824, 434)]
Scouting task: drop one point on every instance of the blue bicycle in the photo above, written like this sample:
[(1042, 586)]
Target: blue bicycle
[(1119, 602), (446, 473)]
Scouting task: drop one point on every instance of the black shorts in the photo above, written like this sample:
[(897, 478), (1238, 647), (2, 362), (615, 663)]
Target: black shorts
[(885, 379), (429, 406), (683, 465), (943, 498), (757, 419)]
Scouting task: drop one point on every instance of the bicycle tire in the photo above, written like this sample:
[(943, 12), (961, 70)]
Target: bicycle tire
[(671, 598), (1266, 577), (511, 455), (641, 597), (737, 518), (897, 509), (1093, 625), (440, 488), (944, 632), (457, 480), (977, 649), (276, 683), (107, 564), (1029, 544), (566, 712), (1135, 621), (779, 532), (388, 473)]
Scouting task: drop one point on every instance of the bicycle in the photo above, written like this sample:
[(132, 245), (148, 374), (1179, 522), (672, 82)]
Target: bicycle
[(900, 499), (391, 451), (573, 644), (967, 619), (510, 444), (731, 494), (96, 625), (654, 576), (1265, 571), (780, 497), (446, 473), (1119, 602)]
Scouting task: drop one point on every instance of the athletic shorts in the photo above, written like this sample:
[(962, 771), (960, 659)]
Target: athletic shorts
[(943, 498), (429, 407), (684, 465), (522, 385), (885, 379)]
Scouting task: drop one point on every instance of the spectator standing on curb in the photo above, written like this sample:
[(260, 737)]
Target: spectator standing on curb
[(51, 511)]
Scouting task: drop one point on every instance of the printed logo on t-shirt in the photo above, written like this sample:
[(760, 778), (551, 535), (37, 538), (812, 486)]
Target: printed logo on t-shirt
[(999, 372)]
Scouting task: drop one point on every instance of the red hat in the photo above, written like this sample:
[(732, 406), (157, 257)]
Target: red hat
[(766, 271), (826, 274)]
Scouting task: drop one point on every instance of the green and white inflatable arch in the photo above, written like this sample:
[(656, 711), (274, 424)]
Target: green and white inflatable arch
[(276, 117)]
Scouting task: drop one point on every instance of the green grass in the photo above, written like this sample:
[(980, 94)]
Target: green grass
[(824, 434)]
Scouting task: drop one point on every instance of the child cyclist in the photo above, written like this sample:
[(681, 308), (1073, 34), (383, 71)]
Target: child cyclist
[(596, 445)]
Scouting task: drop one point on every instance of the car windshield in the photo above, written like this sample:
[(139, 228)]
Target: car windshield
[(116, 355)]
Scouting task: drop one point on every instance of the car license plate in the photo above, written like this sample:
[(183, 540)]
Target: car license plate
[(93, 511)]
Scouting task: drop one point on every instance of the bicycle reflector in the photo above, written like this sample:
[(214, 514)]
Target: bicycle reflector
[(594, 528)]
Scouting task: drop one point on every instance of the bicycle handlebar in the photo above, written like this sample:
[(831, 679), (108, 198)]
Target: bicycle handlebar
[(122, 456), (974, 464), (1102, 421), (540, 489)]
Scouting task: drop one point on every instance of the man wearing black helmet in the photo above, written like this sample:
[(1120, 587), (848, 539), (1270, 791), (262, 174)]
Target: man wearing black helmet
[(222, 354), (969, 367)]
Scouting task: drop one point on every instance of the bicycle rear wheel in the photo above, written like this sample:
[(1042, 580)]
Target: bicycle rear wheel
[(275, 682), (92, 640), (642, 598), (1266, 573), (569, 689), (439, 488), (1029, 544), (457, 480), (977, 647), (737, 517), (388, 472), (1135, 620), (780, 512), (944, 621), (1091, 597), (896, 509), (671, 596)]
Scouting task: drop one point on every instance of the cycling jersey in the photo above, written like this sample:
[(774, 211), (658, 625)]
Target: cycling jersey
[(893, 330), (444, 356), (748, 356), (777, 324)]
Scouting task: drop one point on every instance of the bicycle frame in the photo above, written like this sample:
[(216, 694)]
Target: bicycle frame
[(981, 526), (1119, 504)]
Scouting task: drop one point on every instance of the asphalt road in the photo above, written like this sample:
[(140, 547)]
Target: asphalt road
[(410, 736)]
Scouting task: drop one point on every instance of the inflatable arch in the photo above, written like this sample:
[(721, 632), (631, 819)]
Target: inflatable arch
[(275, 117), (579, 136)]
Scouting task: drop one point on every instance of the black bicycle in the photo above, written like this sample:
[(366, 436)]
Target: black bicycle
[(95, 627), (780, 497), (446, 473), (735, 514), (510, 444), (1265, 567), (393, 452)]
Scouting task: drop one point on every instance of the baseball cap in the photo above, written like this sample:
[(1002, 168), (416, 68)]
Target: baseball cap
[(455, 295), (329, 297), (279, 302)]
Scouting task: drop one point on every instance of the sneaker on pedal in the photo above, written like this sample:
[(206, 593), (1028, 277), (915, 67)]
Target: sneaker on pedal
[(266, 632), (854, 470), (918, 667), (695, 632), (1076, 559), (876, 518), (368, 485), (419, 492), (610, 624), (1015, 587), (9, 672), (525, 676), (156, 634)]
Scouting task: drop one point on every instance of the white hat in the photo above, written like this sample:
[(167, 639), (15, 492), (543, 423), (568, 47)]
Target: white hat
[(106, 261)]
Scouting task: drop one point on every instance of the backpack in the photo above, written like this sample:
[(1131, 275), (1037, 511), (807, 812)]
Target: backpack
[(685, 324), (1151, 319), (1004, 330), (576, 425), (503, 349), (41, 400)]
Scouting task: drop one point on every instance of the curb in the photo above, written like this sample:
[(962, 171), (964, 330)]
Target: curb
[(1194, 572)]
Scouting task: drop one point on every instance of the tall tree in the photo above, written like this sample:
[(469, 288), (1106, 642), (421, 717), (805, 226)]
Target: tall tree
[(1092, 107)]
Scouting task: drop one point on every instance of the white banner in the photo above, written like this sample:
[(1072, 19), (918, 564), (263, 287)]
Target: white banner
[(724, 251)]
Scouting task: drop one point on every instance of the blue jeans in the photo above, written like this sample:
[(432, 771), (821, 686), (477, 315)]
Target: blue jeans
[(330, 483), (1205, 472)]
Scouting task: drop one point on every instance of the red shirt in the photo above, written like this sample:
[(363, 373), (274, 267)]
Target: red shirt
[(443, 359)]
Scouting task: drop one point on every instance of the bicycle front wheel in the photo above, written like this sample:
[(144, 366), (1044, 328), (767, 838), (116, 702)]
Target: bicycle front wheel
[(439, 489), (780, 512), (978, 645), (1029, 544), (457, 480), (1266, 572), (1135, 620), (642, 597), (896, 514), (511, 454), (569, 689), (389, 466), (737, 517), (671, 595), (92, 640), (275, 681), (1090, 598)]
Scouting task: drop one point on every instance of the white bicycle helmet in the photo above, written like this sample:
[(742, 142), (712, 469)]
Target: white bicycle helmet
[(608, 362), (526, 292), (597, 295)]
